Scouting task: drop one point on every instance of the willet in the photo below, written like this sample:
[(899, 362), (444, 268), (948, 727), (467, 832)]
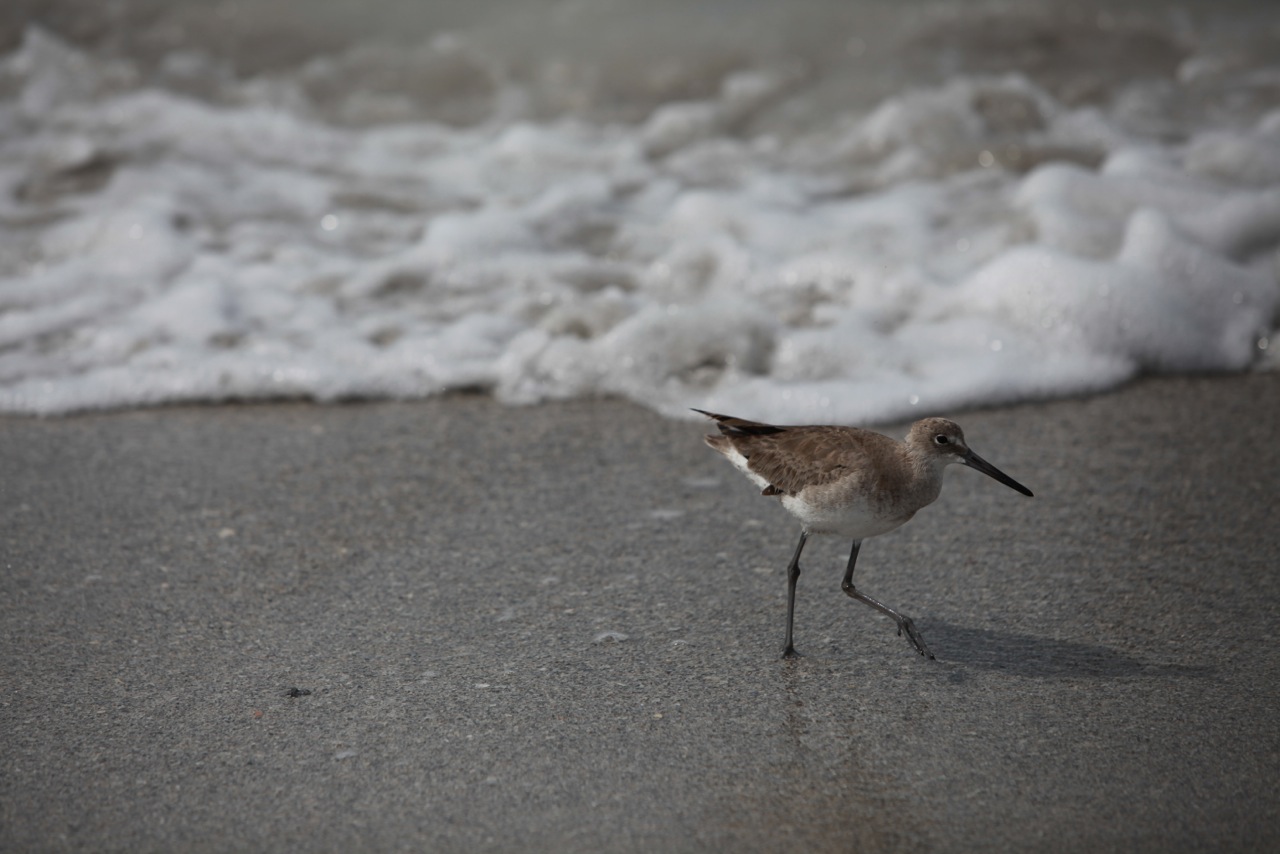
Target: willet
[(850, 482)]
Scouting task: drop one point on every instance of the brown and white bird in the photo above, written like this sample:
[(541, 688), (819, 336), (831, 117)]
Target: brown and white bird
[(850, 482)]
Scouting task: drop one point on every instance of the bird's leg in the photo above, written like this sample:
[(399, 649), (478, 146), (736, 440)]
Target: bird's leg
[(904, 623), (793, 573)]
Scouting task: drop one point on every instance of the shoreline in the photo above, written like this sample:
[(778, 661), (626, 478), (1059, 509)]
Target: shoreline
[(557, 628)]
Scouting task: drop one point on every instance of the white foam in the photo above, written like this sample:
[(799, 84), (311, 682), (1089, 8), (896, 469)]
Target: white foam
[(156, 247)]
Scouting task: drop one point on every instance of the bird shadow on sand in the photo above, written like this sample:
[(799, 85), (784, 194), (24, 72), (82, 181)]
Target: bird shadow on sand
[(1038, 657)]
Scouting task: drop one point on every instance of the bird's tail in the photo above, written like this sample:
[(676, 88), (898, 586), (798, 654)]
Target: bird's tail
[(731, 426)]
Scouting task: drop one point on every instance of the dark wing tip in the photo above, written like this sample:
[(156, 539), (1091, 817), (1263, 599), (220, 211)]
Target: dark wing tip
[(731, 426)]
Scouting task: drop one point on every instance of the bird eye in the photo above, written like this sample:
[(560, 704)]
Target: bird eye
[(942, 439)]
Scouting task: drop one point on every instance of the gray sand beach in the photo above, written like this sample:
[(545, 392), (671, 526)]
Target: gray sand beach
[(558, 629)]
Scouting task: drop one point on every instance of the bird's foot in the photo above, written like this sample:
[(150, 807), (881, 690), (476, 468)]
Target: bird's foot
[(790, 652), (905, 626)]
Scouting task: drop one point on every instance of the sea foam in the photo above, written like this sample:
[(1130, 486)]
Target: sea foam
[(972, 243)]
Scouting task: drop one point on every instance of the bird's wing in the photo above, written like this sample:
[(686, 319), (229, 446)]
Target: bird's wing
[(798, 457), (793, 458)]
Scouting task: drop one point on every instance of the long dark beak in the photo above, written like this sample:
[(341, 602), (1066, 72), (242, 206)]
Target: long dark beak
[(974, 461)]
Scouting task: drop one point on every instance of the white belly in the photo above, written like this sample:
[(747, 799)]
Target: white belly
[(856, 520)]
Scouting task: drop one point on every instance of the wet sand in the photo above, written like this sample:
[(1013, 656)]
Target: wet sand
[(558, 629)]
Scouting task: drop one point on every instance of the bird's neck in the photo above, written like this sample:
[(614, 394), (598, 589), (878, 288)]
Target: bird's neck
[(925, 482)]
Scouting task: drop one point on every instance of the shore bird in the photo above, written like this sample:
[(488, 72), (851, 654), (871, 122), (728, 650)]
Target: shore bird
[(849, 482)]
